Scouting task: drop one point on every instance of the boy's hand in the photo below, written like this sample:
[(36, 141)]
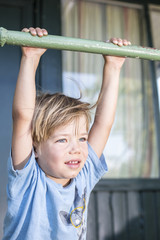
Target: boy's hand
[(117, 61), (24, 101), (106, 107), (30, 51)]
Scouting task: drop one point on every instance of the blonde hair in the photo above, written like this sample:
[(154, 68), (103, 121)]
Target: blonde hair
[(54, 110)]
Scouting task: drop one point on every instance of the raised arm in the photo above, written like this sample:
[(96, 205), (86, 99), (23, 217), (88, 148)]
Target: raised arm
[(24, 102), (105, 112)]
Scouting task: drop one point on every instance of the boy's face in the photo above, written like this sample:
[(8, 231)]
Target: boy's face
[(63, 155)]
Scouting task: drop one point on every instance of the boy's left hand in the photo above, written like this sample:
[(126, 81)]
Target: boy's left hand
[(31, 51), (117, 61)]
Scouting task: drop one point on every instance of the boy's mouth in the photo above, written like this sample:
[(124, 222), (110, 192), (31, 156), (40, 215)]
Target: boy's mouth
[(73, 163)]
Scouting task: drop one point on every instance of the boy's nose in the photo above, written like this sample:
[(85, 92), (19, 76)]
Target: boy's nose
[(74, 147)]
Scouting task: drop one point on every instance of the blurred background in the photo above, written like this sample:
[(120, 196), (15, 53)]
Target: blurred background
[(125, 203)]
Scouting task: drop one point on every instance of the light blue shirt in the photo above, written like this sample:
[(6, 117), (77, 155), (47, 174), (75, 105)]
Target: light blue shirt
[(39, 208)]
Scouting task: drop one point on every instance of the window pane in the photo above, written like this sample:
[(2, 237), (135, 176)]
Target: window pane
[(131, 150), (155, 23)]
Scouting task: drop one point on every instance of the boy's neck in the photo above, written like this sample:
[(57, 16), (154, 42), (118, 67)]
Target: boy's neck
[(63, 182)]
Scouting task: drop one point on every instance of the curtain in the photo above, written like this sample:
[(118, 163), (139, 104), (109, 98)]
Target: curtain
[(132, 149)]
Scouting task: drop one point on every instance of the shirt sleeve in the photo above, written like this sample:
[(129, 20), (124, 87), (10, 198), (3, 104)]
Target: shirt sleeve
[(20, 180), (93, 169)]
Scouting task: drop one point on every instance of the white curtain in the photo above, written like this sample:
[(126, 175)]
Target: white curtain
[(131, 150)]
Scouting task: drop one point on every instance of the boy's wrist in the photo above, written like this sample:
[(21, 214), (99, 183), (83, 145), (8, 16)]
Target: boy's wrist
[(31, 57), (112, 65), (33, 60)]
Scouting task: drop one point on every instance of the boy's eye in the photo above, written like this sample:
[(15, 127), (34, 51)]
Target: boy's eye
[(83, 139), (62, 140)]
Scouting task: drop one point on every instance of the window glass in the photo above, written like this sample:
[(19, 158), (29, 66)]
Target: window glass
[(132, 149), (155, 23)]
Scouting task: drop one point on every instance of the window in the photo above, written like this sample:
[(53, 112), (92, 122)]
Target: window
[(132, 149), (155, 23)]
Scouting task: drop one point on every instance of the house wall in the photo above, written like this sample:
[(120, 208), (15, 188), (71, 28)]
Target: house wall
[(125, 209)]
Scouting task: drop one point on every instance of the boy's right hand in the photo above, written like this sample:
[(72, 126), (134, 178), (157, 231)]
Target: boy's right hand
[(24, 101), (30, 51)]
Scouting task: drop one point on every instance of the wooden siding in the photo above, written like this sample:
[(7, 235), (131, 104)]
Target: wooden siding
[(126, 209)]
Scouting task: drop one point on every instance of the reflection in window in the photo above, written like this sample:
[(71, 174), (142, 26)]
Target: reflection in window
[(131, 150)]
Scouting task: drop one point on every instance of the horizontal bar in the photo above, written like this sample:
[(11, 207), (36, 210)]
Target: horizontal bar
[(76, 44)]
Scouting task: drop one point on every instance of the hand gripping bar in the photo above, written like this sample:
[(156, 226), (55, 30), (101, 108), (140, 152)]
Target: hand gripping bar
[(76, 44)]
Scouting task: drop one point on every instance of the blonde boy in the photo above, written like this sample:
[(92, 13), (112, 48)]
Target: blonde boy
[(55, 162)]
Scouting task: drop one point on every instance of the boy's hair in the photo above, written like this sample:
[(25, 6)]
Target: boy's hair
[(54, 110)]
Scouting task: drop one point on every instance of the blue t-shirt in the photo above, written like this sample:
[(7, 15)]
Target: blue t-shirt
[(39, 208)]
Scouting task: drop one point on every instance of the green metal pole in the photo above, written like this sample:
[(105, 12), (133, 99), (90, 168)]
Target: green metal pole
[(76, 44)]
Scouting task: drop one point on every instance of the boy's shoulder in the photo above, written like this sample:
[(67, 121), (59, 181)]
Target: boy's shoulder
[(19, 180), (93, 169), (95, 160)]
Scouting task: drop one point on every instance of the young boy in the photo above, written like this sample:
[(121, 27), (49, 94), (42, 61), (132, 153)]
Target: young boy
[(55, 162)]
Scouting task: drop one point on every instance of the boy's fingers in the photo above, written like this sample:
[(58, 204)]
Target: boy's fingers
[(33, 31), (120, 42), (44, 32), (117, 41), (39, 32), (113, 40), (126, 42), (25, 30), (36, 31)]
